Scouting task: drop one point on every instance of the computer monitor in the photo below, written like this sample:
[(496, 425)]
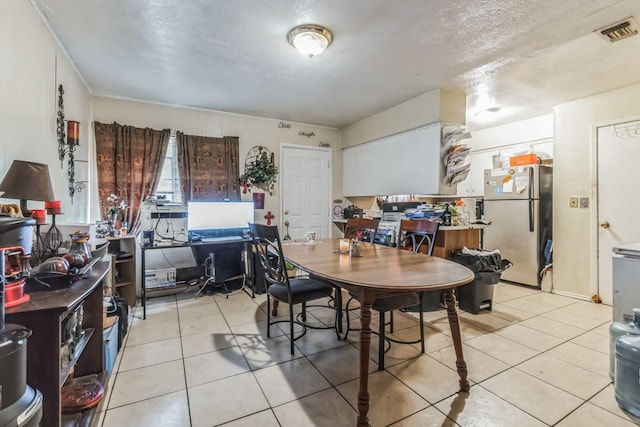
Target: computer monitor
[(205, 216)]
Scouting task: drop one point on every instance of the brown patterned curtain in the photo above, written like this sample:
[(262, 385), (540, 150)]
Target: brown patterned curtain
[(129, 165), (208, 167)]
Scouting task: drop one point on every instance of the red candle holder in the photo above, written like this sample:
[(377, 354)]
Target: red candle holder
[(53, 207), (39, 215), (73, 133)]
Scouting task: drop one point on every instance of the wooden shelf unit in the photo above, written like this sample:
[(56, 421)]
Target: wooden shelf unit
[(124, 270), (66, 370), (45, 314)]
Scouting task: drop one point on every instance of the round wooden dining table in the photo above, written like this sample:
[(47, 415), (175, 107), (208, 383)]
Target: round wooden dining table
[(377, 272)]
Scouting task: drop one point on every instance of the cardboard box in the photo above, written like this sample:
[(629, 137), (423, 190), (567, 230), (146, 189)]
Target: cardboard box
[(160, 278), (523, 159)]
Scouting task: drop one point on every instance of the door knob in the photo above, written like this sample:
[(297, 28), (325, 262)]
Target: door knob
[(605, 224), (286, 212)]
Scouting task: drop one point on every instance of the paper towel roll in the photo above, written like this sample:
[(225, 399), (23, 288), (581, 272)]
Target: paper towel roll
[(469, 208)]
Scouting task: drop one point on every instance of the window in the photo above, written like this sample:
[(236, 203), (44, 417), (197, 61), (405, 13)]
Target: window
[(169, 183)]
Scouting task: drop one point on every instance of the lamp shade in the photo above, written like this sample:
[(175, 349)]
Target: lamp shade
[(27, 181), (310, 39)]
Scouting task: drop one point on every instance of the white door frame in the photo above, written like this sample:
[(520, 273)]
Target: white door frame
[(283, 146), (595, 221)]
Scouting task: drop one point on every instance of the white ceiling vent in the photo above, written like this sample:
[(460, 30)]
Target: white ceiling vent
[(619, 30)]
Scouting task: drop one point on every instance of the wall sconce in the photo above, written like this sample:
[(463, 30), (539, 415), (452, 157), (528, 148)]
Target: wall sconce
[(73, 141), (60, 131), (67, 144)]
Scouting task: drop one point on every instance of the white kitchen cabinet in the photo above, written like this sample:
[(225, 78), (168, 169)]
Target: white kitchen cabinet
[(473, 186), (405, 163)]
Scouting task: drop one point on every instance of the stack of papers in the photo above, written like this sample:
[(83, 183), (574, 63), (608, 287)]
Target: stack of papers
[(454, 154)]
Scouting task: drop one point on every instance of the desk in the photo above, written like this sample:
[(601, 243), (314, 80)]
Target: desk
[(200, 249), (382, 270)]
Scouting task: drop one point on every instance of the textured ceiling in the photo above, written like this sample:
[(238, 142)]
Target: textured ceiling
[(522, 56)]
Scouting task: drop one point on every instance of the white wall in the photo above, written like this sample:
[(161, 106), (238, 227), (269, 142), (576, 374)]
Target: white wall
[(520, 136), (518, 132), (572, 228), (32, 67), (251, 131)]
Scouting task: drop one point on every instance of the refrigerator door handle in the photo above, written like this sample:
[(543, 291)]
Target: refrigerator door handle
[(531, 207), (531, 203)]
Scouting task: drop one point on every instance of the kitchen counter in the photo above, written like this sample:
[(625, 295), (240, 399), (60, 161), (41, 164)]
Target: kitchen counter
[(342, 224), (463, 227), (449, 238)]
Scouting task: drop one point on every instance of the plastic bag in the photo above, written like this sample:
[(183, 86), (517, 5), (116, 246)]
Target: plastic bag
[(481, 261)]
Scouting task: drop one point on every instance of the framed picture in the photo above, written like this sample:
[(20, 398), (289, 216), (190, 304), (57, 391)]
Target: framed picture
[(258, 200)]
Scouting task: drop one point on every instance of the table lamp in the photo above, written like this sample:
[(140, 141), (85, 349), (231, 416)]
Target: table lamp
[(27, 181)]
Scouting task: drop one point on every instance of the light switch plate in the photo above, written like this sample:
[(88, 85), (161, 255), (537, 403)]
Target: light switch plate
[(584, 202), (573, 202)]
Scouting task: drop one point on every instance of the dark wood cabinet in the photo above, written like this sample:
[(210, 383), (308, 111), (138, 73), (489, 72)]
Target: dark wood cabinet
[(45, 314), (124, 267)]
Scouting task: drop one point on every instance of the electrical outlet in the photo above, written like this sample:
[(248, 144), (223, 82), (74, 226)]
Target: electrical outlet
[(573, 202), (584, 202)]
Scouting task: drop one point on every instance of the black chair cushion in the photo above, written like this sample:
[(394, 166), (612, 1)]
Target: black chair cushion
[(396, 302), (301, 290)]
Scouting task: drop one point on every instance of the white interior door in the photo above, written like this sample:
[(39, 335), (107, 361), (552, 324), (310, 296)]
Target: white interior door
[(306, 190), (618, 201)]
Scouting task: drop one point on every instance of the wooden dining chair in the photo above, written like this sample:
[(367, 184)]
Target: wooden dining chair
[(417, 236), (361, 228), (267, 244)]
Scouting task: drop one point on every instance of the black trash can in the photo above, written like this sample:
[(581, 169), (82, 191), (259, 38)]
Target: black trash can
[(479, 293), (487, 267)]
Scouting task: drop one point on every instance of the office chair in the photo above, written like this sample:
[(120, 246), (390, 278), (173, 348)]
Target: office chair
[(267, 244), (415, 235)]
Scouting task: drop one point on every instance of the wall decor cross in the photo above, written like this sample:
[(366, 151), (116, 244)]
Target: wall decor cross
[(269, 216)]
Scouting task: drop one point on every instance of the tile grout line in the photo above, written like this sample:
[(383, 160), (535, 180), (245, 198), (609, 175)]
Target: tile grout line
[(184, 368), (565, 340)]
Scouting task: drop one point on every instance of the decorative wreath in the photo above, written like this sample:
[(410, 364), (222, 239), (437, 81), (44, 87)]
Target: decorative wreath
[(260, 170)]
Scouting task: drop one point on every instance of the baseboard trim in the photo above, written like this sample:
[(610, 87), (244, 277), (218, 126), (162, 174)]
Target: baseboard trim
[(571, 295)]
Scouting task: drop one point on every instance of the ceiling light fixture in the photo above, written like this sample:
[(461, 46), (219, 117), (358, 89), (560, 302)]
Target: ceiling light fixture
[(487, 114), (310, 39)]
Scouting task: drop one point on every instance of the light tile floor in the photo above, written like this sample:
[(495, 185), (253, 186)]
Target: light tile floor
[(536, 359)]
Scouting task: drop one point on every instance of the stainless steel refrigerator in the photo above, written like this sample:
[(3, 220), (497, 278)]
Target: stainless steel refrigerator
[(518, 202)]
